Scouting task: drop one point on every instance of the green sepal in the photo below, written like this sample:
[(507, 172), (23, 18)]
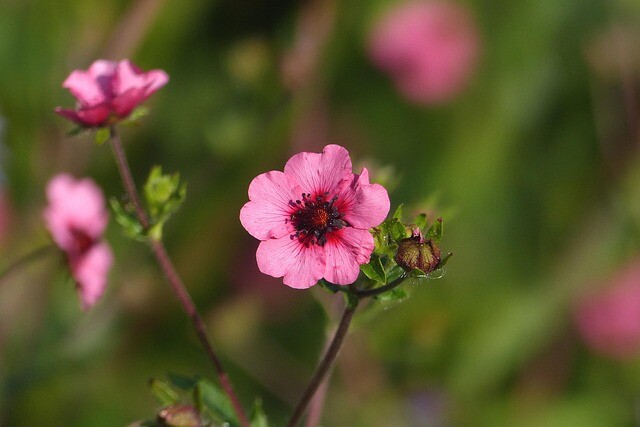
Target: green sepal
[(374, 269), (101, 135), (394, 273), (395, 294), (129, 222), (435, 232), (182, 382), (329, 286), (163, 392), (445, 259), (212, 402), (257, 416), (136, 115), (351, 300), (398, 213), (76, 131), (164, 195)]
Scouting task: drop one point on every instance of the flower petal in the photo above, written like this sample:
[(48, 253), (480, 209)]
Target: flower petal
[(88, 117), (90, 272), (93, 86), (267, 213), (302, 266), (319, 173), (129, 77), (345, 251), (363, 205)]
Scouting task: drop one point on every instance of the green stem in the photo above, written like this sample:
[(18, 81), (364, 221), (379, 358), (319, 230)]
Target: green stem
[(363, 293), (24, 260), (176, 283)]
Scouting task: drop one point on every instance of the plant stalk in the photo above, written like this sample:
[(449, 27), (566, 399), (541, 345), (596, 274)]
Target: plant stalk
[(172, 276)]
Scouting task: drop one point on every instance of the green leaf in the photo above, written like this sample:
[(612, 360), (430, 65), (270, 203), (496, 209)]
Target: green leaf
[(398, 213), (394, 273), (163, 392), (101, 136), (374, 269), (421, 221), (435, 231), (395, 294), (398, 231), (258, 417), (130, 224), (210, 400), (164, 195), (329, 286)]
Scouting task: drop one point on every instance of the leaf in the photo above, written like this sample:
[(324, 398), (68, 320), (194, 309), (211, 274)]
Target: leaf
[(421, 221), (163, 392), (211, 400), (394, 273), (181, 381), (258, 417), (435, 231), (329, 286), (130, 224), (398, 213), (136, 115), (101, 136), (374, 270), (395, 294)]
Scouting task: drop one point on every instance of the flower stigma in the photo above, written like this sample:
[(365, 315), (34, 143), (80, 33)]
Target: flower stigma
[(314, 218)]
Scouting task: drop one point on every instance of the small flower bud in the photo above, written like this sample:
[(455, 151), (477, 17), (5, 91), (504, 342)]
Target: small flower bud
[(179, 416), (418, 252)]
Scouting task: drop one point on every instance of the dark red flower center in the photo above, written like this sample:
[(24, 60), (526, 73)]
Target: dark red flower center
[(314, 217), (82, 241)]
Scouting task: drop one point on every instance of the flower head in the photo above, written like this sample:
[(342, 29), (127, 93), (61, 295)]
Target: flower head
[(608, 320), (429, 47), (418, 252), (313, 219), (109, 91), (76, 218)]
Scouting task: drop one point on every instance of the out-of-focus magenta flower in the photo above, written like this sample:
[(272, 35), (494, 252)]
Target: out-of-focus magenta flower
[(314, 218), (609, 320), (76, 218), (109, 91), (428, 47)]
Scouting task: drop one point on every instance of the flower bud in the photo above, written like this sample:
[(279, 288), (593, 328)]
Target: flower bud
[(418, 252), (179, 416)]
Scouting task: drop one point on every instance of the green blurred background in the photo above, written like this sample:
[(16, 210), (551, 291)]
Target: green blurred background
[(534, 167)]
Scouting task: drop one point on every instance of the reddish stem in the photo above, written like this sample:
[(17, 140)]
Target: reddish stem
[(177, 286)]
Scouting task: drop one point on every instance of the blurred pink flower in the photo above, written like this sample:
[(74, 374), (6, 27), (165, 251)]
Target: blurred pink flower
[(609, 320), (314, 218), (109, 91), (76, 218), (428, 47)]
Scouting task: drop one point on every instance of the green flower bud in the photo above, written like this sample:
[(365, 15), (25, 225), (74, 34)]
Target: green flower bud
[(418, 252), (179, 416)]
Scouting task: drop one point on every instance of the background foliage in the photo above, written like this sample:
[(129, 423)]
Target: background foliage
[(534, 167)]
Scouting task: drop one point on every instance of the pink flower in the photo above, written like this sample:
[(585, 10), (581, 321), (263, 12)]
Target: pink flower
[(109, 91), (76, 218), (314, 218), (609, 320), (428, 47)]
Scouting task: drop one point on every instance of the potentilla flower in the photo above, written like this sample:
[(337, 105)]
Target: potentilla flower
[(609, 319), (314, 218), (76, 217), (109, 91), (428, 47)]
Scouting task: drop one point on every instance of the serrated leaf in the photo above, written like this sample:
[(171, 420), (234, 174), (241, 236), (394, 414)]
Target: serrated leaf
[(374, 269), (258, 417), (129, 222), (163, 392), (101, 135), (398, 213), (395, 294), (436, 231), (212, 401)]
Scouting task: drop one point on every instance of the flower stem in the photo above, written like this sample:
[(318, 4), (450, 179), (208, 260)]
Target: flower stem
[(325, 364), (362, 293), (24, 260), (176, 283)]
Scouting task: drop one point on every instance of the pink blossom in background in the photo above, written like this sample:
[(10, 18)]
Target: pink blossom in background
[(313, 219), (76, 217), (609, 320), (429, 48), (109, 91)]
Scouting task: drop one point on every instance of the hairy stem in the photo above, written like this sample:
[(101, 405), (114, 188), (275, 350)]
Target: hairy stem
[(177, 286), (24, 260), (324, 366)]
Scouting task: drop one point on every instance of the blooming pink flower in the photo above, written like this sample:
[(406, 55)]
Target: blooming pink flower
[(314, 218), (609, 320), (76, 218), (109, 91), (428, 47)]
